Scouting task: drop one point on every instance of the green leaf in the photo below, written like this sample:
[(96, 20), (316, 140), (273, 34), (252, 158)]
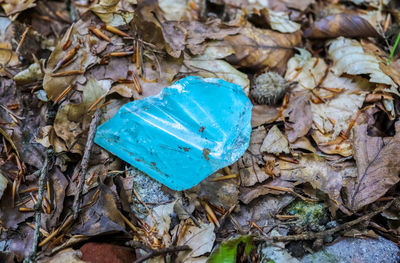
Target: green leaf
[(226, 252)]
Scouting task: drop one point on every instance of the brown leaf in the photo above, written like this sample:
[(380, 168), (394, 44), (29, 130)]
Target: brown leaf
[(262, 49), (299, 116), (345, 25), (378, 167)]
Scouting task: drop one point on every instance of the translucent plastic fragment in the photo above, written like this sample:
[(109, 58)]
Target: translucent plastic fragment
[(180, 136)]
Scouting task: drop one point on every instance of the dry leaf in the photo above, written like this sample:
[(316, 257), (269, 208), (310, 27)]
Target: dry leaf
[(297, 4), (299, 116), (162, 215), (378, 167), (262, 49), (275, 142), (54, 86), (12, 7), (335, 115), (349, 57), (113, 13), (280, 21), (263, 114), (308, 71), (199, 239), (345, 25)]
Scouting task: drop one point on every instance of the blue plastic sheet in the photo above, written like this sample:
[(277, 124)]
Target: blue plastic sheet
[(182, 135)]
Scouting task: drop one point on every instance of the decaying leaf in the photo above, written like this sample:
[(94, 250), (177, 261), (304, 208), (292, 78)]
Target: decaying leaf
[(344, 25), (68, 122), (262, 49), (103, 217), (378, 167), (348, 57), (275, 142), (316, 171)]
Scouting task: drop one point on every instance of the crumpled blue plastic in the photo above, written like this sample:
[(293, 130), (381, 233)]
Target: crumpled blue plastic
[(188, 131)]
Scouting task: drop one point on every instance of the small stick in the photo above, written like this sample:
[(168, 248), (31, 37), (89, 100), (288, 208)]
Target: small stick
[(115, 31), (38, 205), (317, 235), (22, 39), (85, 161), (155, 253)]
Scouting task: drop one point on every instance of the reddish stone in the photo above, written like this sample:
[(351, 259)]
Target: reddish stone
[(106, 253)]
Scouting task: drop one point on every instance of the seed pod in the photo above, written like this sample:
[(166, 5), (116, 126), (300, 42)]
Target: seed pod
[(269, 88)]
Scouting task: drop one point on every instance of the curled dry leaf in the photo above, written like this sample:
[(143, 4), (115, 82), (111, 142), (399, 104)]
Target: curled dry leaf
[(308, 71), (378, 167), (345, 25), (280, 21), (113, 12), (262, 49), (349, 57)]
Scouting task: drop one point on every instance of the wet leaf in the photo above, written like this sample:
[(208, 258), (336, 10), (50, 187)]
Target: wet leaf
[(262, 49), (345, 25), (227, 251), (377, 164)]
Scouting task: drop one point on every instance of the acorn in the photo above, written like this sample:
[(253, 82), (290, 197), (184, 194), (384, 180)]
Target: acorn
[(269, 88)]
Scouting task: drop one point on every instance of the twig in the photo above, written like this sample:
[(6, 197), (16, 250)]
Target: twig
[(322, 234), (38, 205), (155, 253), (85, 161)]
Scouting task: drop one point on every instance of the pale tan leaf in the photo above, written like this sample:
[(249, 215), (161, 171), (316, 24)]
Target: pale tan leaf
[(349, 57), (275, 142)]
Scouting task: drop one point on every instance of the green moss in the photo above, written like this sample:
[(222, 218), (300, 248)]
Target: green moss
[(309, 213)]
